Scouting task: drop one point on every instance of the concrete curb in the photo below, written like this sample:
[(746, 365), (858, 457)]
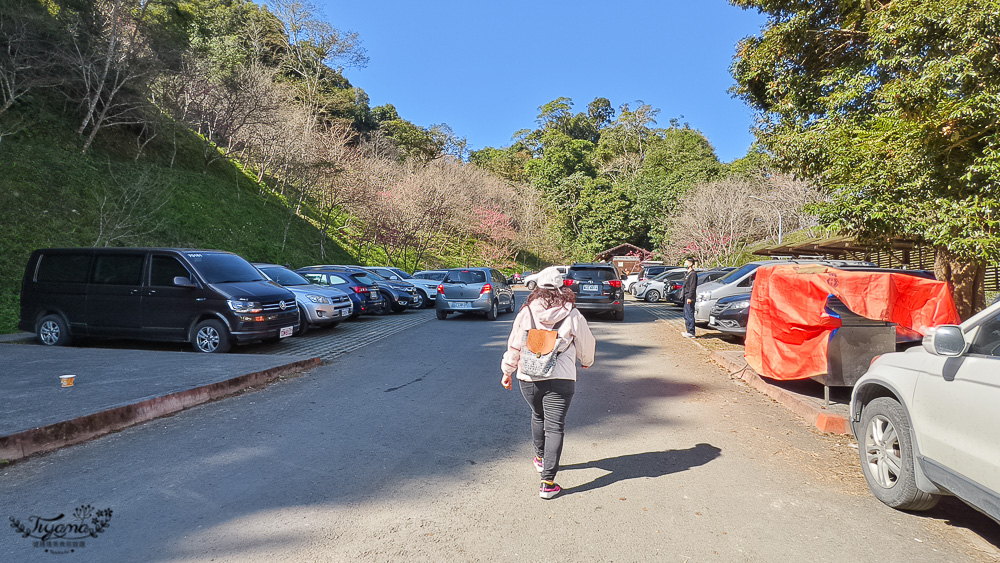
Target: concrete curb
[(54, 436), (824, 421), (17, 337)]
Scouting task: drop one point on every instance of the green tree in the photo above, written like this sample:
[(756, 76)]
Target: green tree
[(893, 108), (507, 163), (561, 156), (675, 160), (416, 142)]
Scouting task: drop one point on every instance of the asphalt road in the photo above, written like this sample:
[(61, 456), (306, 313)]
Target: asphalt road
[(409, 449)]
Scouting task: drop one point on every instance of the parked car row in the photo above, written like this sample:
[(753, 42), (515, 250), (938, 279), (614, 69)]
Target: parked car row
[(669, 285), (214, 299)]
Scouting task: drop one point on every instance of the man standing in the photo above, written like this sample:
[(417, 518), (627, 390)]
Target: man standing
[(690, 293)]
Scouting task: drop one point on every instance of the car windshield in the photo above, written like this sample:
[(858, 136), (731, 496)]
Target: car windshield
[(465, 276), (670, 275), (376, 275), (436, 276), (217, 267), (737, 274), (592, 274), (365, 278), (401, 273), (284, 276)]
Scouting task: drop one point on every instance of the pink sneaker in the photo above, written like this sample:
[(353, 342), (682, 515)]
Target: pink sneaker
[(549, 489), (539, 464)]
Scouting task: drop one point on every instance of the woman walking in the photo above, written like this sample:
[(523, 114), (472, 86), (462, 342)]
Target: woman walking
[(548, 390)]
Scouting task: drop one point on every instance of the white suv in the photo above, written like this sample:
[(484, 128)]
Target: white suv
[(926, 419)]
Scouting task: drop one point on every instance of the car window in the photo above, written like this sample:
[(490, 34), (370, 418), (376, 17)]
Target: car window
[(498, 277), (436, 276), (364, 278), (67, 268), (164, 269), (337, 279), (591, 274), (118, 269), (749, 281), (284, 276), (318, 279), (217, 267), (737, 273), (465, 276), (987, 341), (401, 273)]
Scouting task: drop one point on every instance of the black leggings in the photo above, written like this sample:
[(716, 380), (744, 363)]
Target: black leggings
[(549, 401)]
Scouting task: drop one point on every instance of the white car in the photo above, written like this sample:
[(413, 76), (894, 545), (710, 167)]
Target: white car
[(630, 281), (926, 419), (531, 281), (655, 289)]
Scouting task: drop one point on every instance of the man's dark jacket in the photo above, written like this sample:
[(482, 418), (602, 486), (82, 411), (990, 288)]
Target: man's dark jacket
[(690, 290)]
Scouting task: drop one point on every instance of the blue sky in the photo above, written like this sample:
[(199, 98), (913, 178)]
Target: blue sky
[(485, 67)]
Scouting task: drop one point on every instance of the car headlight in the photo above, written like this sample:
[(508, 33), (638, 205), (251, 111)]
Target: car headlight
[(739, 305), (318, 299), (244, 306)]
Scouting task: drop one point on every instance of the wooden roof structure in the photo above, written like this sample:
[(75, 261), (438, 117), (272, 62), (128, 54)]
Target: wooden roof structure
[(622, 250), (895, 252)]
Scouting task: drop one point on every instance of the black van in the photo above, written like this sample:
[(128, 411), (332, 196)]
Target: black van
[(209, 298)]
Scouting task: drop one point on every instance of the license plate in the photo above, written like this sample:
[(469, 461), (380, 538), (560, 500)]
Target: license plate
[(462, 305), (590, 287), (285, 332), (711, 320)]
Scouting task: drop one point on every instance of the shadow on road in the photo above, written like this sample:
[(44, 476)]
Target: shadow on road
[(957, 514), (648, 464)]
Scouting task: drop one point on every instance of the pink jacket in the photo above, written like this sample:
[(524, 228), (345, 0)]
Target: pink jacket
[(578, 343)]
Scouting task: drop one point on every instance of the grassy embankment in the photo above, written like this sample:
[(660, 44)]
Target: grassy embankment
[(51, 196)]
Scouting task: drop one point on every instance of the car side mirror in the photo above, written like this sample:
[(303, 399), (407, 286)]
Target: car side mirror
[(181, 281), (945, 340)]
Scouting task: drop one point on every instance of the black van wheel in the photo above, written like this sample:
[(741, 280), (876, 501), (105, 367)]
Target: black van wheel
[(52, 331), (211, 337)]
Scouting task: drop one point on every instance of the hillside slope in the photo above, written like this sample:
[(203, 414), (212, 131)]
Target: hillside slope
[(52, 195)]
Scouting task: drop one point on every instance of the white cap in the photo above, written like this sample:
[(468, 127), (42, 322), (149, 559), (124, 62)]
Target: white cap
[(550, 278)]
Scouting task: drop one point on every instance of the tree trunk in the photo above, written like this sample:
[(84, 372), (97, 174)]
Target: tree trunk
[(965, 279)]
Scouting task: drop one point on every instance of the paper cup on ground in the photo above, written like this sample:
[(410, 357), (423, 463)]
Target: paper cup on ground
[(67, 380)]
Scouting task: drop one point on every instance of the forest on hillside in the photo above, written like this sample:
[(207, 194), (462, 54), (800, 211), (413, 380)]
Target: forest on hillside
[(263, 86)]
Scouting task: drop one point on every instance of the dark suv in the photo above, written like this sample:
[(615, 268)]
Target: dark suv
[(598, 289)]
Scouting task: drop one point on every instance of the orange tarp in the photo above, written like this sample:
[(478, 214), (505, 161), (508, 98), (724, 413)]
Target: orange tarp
[(789, 328)]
